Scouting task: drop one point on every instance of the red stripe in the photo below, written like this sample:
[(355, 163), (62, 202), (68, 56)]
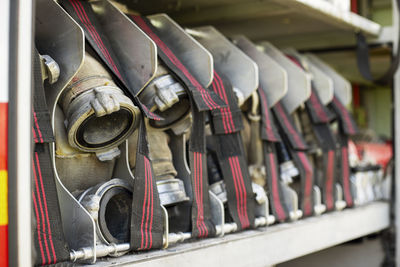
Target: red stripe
[(345, 115), (205, 95), (152, 204), (34, 135), (242, 220), (289, 126), (38, 228), (41, 212), (268, 127), (107, 55), (3, 245), (214, 85), (329, 179), (96, 38), (148, 204), (201, 193), (346, 178), (275, 190), (238, 205), (222, 110), (144, 205), (318, 107), (241, 183), (308, 183), (37, 127), (3, 135), (196, 185), (228, 110), (45, 208)]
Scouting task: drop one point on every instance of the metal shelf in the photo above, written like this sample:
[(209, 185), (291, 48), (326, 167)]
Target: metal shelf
[(267, 246), (304, 24)]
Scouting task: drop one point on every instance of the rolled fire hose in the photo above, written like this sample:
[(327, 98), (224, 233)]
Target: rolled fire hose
[(98, 116)]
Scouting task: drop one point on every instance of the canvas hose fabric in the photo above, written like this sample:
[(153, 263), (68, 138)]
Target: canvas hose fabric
[(347, 128), (48, 236), (297, 148), (270, 136), (202, 100), (226, 125), (147, 215)]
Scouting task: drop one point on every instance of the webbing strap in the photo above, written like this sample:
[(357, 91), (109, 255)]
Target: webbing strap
[(201, 100), (229, 147), (202, 225), (270, 135), (296, 147), (49, 242), (146, 220), (288, 127), (204, 99), (82, 12), (348, 125), (320, 118), (277, 198)]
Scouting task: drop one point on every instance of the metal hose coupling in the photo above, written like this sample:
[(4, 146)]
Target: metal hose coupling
[(109, 204), (98, 115), (166, 97)]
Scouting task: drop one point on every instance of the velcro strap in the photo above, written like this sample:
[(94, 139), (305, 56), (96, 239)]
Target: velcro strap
[(204, 99)]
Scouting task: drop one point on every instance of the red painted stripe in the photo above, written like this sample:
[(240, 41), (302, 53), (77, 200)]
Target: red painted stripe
[(38, 226), (144, 205), (346, 178), (275, 190), (238, 205), (41, 213), (3, 135), (289, 126), (3, 245), (241, 183), (205, 95), (308, 183), (50, 237), (329, 179)]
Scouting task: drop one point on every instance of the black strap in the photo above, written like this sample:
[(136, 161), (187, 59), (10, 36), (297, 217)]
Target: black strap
[(346, 120), (320, 118), (296, 148), (201, 100), (49, 242), (363, 60), (227, 122), (270, 136), (146, 223)]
